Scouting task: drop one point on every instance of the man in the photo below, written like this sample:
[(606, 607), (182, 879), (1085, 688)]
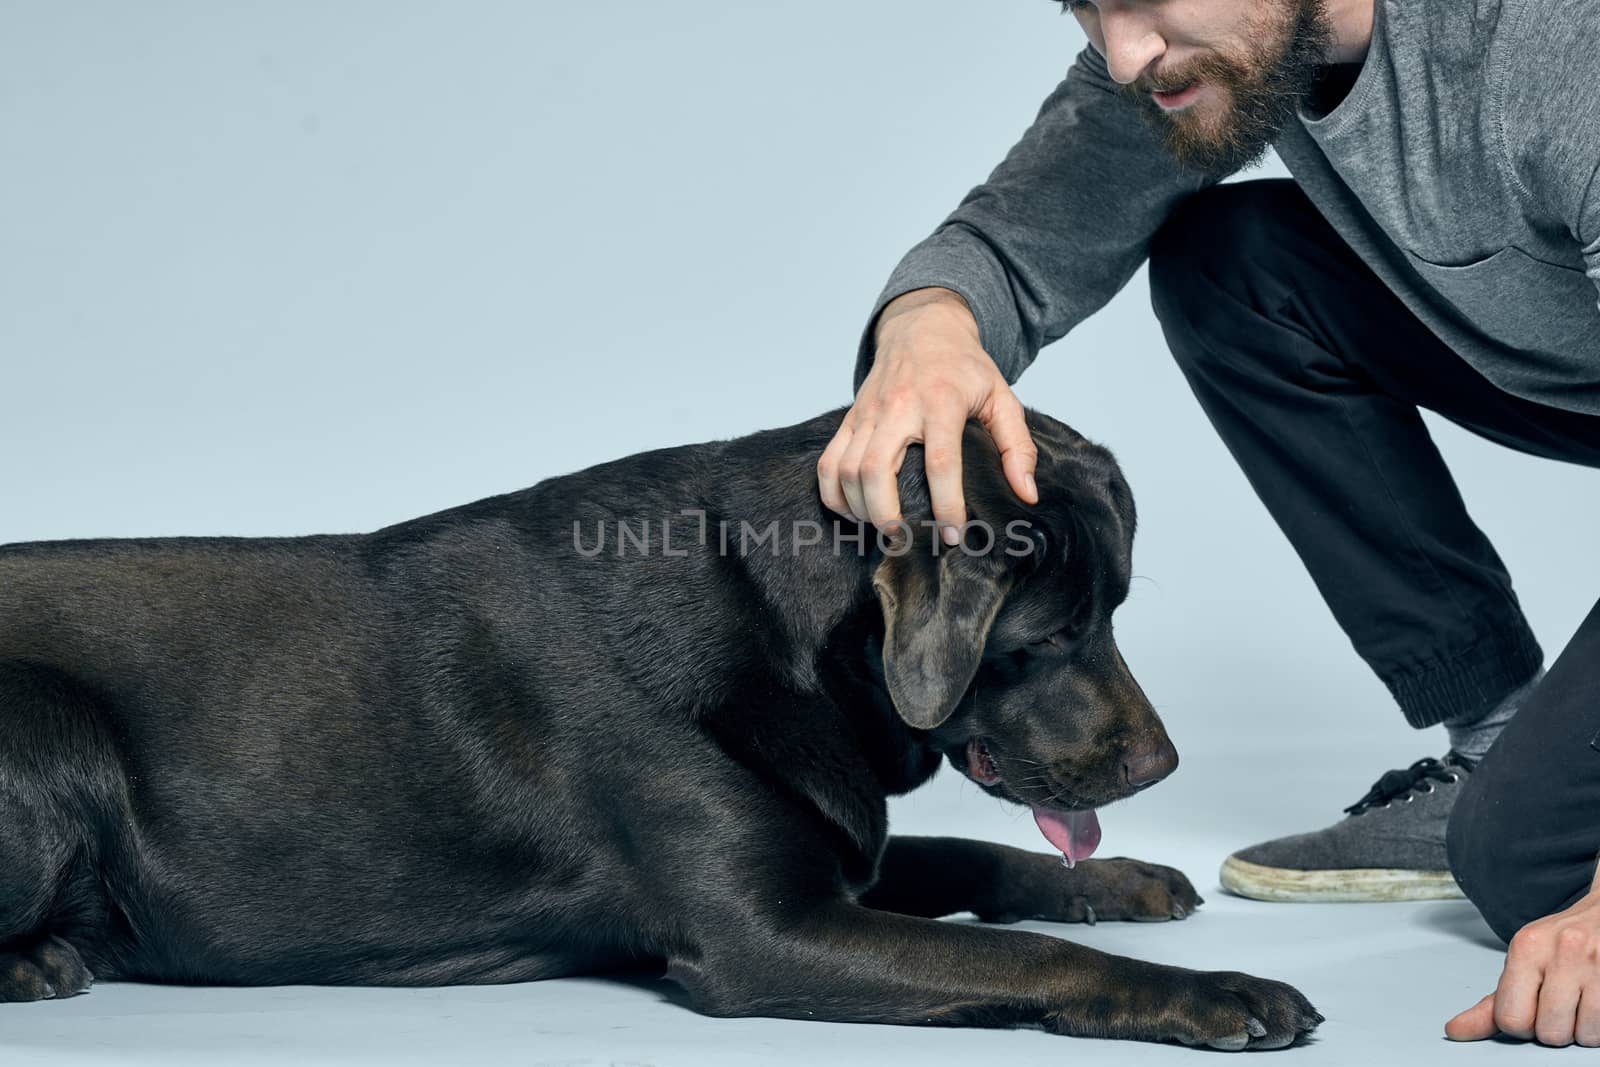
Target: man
[(1438, 247)]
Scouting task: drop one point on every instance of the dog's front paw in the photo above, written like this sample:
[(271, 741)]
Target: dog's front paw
[(1095, 889), (1232, 1011), (49, 968), (1206, 1009), (1131, 889)]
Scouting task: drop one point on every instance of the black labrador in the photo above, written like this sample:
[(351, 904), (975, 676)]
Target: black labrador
[(644, 714)]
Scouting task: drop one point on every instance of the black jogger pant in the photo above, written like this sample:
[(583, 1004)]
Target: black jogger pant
[(1312, 371)]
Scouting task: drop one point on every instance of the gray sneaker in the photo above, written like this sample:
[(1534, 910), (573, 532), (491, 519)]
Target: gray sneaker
[(1390, 847)]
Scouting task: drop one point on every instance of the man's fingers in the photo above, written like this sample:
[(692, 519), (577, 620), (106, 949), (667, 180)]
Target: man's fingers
[(828, 482), (850, 470), (1474, 1024), (1587, 1030), (941, 450), (1567, 970), (1516, 999), (1018, 454), (880, 475), (1558, 1008)]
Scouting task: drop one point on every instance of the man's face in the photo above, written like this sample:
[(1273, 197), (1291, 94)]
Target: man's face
[(1218, 78)]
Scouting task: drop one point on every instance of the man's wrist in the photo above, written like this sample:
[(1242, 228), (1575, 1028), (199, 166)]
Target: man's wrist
[(923, 300)]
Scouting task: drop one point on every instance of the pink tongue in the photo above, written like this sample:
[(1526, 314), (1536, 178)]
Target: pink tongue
[(1075, 833)]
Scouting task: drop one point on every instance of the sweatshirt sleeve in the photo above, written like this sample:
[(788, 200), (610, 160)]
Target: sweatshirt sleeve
[(1057, 229)]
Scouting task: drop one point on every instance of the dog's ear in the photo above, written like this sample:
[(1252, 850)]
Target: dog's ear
[(937, 611)]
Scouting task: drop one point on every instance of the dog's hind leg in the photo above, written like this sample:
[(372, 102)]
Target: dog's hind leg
[(57, 770)]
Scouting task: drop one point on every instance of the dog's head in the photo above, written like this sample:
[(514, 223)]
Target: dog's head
[(1002, 649)]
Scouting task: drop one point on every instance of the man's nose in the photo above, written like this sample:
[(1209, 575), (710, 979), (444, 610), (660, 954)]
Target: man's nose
[(1143, 767), (1131, 43)]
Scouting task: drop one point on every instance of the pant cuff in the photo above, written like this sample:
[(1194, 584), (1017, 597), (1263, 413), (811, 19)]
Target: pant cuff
[(1469, 684)]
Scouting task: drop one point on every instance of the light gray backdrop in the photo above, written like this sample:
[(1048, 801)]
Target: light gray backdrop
[(282, 268)]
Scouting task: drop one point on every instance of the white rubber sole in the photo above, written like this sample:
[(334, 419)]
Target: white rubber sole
[(1361, 884)]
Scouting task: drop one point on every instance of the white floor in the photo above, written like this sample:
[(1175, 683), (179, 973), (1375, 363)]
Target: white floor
[(1386, 975)]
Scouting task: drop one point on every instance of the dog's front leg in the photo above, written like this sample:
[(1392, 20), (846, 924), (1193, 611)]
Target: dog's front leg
[(843, 962), (934, 876)]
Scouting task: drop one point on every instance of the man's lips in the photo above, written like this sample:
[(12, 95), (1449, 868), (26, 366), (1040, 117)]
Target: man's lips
[(1175, 99)]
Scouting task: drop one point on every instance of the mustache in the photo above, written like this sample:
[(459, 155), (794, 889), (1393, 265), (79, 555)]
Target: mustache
[(1205, 68)]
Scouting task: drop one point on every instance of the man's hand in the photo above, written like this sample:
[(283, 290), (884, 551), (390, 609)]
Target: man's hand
[(1550, 988), (929, 376)]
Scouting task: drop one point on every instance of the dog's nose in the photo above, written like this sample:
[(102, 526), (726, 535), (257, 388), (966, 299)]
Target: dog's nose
[(1142, 768)]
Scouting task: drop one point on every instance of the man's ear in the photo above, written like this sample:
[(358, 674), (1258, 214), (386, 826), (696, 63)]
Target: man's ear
[(937, 611)]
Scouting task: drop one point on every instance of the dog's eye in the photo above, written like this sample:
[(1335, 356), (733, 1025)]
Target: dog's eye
[(1059, 639)]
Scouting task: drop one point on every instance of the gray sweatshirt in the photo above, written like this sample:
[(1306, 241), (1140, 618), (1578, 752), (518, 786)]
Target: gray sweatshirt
[(1461, 166)]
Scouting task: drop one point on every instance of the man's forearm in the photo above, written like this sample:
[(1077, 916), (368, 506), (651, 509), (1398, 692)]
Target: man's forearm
[(1047, 240)]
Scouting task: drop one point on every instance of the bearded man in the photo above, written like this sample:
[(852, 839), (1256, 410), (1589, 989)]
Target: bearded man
[(1437, 247)]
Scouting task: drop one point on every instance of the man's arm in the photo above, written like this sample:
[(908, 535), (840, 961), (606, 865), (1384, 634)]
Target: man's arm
[(1058, 227), (1056, 230)]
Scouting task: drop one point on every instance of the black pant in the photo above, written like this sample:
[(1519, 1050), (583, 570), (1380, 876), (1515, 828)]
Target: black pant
[(1312, 372)]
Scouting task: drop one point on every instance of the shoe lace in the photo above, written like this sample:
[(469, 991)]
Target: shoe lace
[(1399, 783)]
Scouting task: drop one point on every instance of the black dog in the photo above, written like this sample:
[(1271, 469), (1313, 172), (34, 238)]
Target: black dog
[(645, 714)]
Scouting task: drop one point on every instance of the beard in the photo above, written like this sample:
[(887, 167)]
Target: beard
[(1262, 90)]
